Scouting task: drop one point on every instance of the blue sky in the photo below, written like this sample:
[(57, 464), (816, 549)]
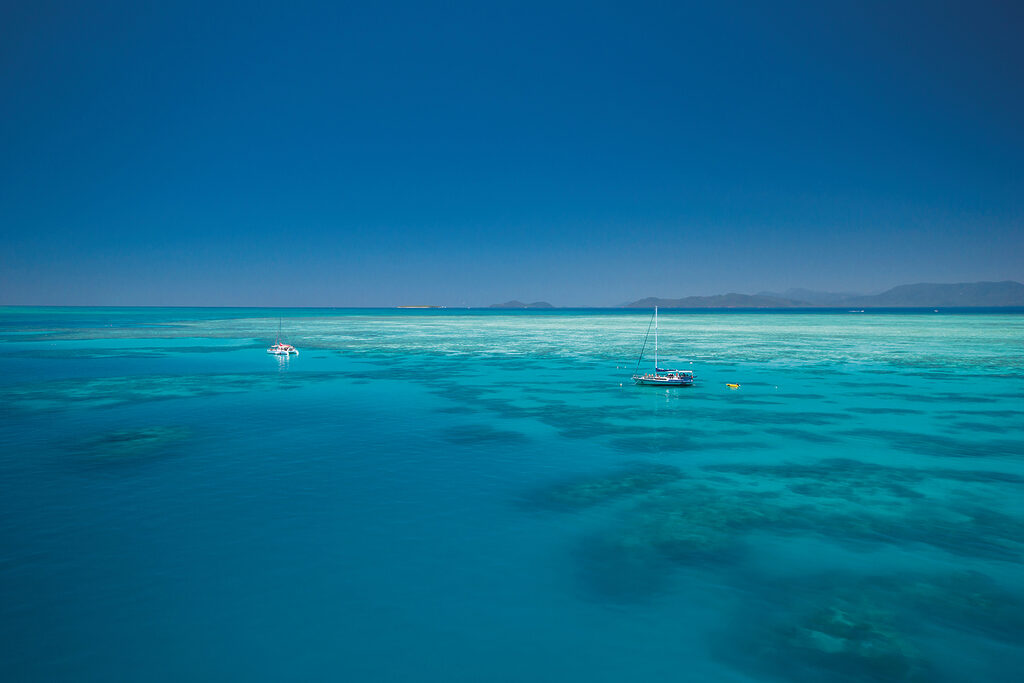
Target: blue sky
[(463, 154)]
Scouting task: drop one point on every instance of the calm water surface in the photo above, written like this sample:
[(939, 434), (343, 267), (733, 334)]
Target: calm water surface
[(481, 496)]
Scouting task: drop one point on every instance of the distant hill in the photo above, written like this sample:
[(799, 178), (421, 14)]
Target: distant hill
[(1007, 293), (520, 304), (731, 300), (922, 295), (813, 298)]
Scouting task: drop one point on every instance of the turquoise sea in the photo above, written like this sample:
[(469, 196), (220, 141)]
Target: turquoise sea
[(466, 496)]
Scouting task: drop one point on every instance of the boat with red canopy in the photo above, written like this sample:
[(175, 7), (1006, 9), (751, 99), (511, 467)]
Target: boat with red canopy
[(279, 348)]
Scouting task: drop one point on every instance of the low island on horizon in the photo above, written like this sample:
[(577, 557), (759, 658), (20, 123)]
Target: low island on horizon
[(1007, 293), (520, 304)]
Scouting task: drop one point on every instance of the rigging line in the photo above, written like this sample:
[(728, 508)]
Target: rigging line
[(637, 368)]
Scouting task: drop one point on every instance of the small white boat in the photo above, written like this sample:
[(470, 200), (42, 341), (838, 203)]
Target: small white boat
[(660, 376), (279, 348)]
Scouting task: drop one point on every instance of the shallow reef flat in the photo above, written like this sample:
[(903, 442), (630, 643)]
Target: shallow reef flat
[(113, 391), (826, 345), (122, 352)]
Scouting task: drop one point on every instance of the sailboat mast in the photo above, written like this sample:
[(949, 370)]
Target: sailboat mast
[(655, 339)]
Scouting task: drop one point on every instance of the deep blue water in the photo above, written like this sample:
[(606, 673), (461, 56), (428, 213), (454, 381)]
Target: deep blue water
[(446, 495)]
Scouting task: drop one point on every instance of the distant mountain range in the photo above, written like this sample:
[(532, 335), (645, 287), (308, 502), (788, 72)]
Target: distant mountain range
[(731, 300), (520, 304), (809, 296), (1006, 293), (922, 295)]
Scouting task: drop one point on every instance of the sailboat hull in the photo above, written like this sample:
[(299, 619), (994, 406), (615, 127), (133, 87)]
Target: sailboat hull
[(656, 381)]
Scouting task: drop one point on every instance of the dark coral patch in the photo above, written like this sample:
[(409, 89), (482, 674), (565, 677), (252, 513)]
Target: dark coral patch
[(944, 446), (130, 443), (885, 411), (802, 434), (587, 491), (608, 571), (845, 468), (837, 626), (833, 639)]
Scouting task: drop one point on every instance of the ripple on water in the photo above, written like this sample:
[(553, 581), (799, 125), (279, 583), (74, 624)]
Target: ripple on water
[(802, 434), (988, 427), (888, 410)]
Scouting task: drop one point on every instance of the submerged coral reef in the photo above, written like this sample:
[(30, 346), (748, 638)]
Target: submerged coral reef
[(587, 491), (114, 391), (837, 640), (130, 443), (841, 627)]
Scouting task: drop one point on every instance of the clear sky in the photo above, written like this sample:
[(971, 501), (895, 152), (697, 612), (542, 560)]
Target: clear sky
[(333, 154)]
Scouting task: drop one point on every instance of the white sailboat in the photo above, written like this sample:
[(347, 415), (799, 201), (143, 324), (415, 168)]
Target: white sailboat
[(660, 376), (280, 348)]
